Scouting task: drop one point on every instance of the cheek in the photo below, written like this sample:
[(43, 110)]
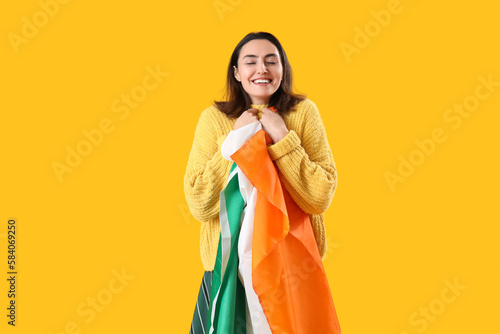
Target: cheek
[(279, 73), (246, 75), (246, 84)]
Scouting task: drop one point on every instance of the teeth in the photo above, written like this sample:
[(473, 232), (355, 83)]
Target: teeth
[(261, 81)]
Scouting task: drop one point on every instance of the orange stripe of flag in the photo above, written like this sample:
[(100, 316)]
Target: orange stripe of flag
[(287, 270)]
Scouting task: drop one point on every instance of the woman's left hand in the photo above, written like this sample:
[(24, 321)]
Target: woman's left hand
[(273, 124)]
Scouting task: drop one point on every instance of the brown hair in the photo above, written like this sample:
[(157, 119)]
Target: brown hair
[(237, 100)]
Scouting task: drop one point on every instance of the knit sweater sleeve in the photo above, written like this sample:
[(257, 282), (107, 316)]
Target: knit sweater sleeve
[(206, 170), (306, 166)]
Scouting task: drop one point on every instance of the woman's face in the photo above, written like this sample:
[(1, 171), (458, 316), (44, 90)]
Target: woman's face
[(259, 59)]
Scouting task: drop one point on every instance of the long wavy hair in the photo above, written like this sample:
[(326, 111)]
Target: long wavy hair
[(237, 99)]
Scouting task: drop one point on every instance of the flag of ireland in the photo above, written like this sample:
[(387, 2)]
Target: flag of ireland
[(268, 276)]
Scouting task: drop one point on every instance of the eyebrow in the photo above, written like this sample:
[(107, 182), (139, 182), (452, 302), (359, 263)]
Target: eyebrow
[(268, 55)]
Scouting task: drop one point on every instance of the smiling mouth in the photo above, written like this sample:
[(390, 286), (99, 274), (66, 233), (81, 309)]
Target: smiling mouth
[(261, 82)]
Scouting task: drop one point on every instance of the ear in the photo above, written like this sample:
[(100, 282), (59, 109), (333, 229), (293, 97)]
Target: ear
[(236, 74)]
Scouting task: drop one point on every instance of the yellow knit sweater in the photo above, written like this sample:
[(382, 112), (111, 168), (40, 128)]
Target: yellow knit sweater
[(303, 158)]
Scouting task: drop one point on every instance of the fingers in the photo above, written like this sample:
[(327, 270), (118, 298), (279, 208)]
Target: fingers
[(247, 117), (253, 114), (273, 109)]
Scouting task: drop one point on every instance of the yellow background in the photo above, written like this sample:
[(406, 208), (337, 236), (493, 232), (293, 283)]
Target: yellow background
[(391, 250)]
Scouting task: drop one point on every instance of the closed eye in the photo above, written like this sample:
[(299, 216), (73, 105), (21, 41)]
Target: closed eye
[(271, 63)]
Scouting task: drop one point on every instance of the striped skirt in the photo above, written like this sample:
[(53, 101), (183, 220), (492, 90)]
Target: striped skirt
[(200, 316)]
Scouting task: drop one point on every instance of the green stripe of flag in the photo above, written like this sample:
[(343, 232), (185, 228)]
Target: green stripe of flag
[(228, 302)]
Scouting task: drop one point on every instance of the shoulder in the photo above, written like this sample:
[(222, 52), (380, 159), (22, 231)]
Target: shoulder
[(307, 112), (208, 115), (213, 113), (209, 111), (215, 121), (309, 117)]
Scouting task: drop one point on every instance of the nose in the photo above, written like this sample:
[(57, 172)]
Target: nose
[(262, 68)]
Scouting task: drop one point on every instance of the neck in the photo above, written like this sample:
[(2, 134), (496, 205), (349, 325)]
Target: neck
[(260, 102)]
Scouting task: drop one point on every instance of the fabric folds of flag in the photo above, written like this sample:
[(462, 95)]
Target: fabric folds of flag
[(287, 272), (227, 306)]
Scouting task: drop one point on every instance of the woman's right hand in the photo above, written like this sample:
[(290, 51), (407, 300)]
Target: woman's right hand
[(247, 117)]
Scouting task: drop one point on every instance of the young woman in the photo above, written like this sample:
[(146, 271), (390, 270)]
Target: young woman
[(259, 101)]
